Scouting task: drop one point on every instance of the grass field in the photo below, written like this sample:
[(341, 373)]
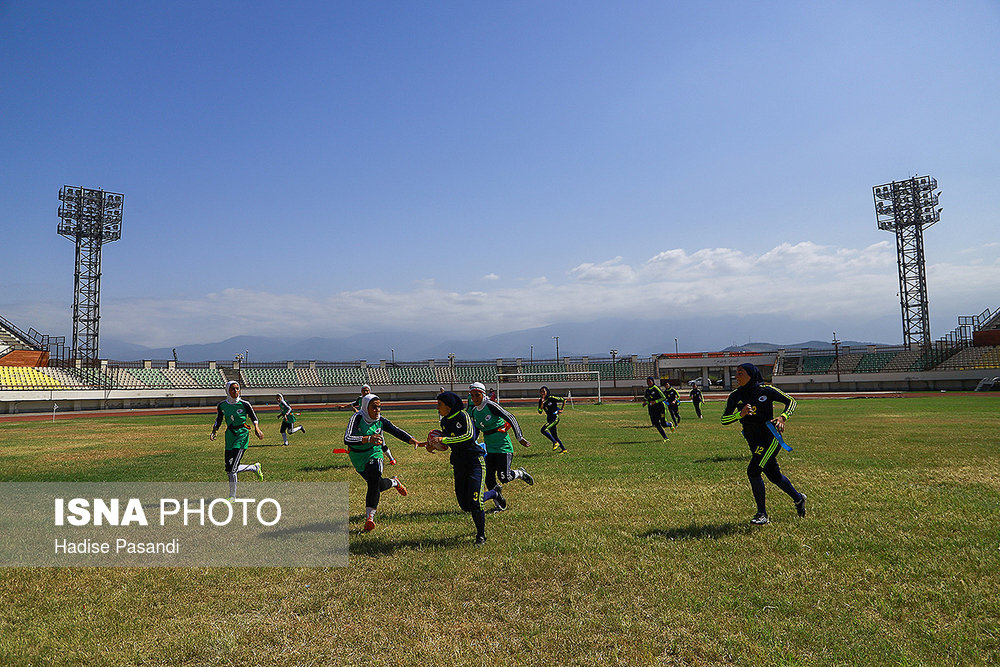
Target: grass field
[(625, 551)]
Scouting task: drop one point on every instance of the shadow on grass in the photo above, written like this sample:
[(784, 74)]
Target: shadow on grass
[(339, 466), (360, 516), (277, 444), (699, 532), (372, 545), (721, 459), (326, 527)]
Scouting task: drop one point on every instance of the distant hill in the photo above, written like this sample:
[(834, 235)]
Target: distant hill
[(595, 339)]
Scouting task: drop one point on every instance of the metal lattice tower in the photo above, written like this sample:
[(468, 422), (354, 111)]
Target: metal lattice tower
[(906, 208), (91, 218)]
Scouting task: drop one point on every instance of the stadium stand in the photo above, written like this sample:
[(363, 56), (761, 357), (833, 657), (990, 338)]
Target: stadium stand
[(125, 378), (307, 377), (269, 377), (443, 375), (377, 376), (818, 364), (901, 362), (974, 358), (209, 378), (63, 377), (334, 376), (788, 365), (874, 362), (26, 378), (153, 378), (411, 375), (470, 374), (180, 378), (645, 369)]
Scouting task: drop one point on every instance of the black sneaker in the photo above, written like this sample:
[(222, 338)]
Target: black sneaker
[(480, 540), (800, 505), (500, 501), (528, 479), (760, 519), (302, 428)]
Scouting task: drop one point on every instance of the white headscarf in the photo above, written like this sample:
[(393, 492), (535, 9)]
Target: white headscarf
[(230, 399), (365, 400)]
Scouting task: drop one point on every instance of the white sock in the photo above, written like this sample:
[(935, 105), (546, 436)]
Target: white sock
[(247, 468), (371, 512), (296, 429), (284, 437)]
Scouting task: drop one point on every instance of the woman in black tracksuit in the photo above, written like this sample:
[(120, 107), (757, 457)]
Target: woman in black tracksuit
[(459, 433), (655, 401), (551, 406), (752, 404)]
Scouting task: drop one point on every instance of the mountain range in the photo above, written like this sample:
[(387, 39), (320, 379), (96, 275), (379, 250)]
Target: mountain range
[(596, 339)]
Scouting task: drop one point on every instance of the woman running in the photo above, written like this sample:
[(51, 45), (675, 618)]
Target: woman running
[(752, 404), (287, 418), (496, 424), (655, 401), (365, 446), (239, 417), (459, 433), (551, 406)]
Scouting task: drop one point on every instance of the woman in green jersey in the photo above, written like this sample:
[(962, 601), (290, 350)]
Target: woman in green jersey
[(365, 445), (239, 417)]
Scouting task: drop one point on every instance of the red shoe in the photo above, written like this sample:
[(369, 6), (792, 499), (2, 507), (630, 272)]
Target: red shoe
[(399, 487), (369, 524)]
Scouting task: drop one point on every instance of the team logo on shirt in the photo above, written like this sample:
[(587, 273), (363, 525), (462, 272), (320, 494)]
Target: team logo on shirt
[(762, 399)]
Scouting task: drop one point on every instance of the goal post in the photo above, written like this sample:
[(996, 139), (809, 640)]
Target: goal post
[(555, 376)]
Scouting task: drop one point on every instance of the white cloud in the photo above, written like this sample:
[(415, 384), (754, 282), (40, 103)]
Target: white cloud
[(491, 276), (800, 281), (611, 271)]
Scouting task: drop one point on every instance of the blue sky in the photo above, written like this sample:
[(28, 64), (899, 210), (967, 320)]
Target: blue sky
[(471, 168)]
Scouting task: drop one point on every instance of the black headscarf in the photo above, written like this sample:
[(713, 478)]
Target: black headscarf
[(754, 373), (452, 400)]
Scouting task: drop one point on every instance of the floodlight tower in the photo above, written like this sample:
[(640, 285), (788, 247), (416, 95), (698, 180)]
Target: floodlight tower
[(91, 218), (906, 207)]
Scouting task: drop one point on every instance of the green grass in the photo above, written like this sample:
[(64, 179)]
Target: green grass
[(625, 551)]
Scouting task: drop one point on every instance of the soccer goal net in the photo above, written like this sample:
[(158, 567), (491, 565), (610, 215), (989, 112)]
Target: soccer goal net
[(579, 378)]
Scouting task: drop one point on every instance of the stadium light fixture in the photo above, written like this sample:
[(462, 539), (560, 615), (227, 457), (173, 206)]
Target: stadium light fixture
[(556, 339), (614, 368), (906, 208), (90, 218)]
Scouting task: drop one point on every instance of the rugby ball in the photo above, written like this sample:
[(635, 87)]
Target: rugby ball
[(434, 441)]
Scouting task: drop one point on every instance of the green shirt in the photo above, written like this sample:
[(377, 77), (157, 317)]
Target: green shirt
[(495, 424), (239, 418), (286, 412)]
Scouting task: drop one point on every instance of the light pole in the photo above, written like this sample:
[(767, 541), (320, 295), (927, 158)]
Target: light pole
[(392, 352), (675, 346), (451, 376), (614, 369), (556, 339), (836, 354), (531, 355), (246, 356)]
